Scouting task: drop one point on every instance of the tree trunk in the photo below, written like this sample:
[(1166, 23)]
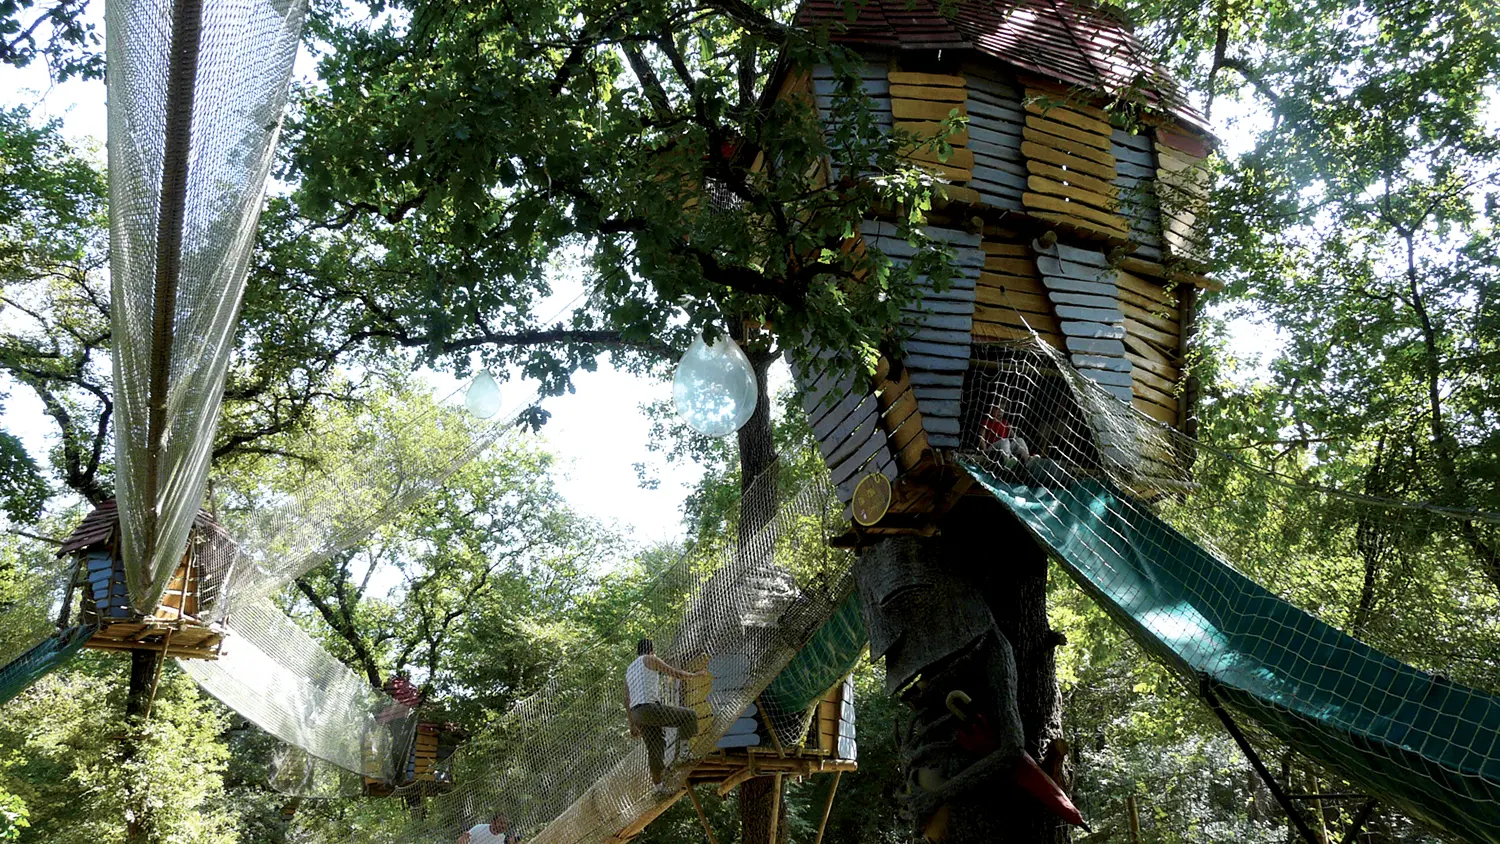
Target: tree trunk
[(757, 508), (757, 797), (953, 609), (143, 668)]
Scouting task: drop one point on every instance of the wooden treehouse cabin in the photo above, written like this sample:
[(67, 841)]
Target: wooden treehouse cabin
[(177, 625), (421, 764), (1072, 205)]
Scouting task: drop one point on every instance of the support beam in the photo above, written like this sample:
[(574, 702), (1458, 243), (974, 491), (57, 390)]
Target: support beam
[(702, 818), (729, 784), (770, 727), (1357, 825), (828, 806), (1205, 687), (775, 806)]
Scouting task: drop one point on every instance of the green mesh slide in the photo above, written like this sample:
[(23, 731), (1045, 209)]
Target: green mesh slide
[(831, 653), (43, 657), (1424, 743)]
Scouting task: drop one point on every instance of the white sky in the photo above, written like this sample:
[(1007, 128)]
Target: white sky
[(598, 433)]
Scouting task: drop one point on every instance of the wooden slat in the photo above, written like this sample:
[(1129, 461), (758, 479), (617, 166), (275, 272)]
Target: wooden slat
[(930, 93), (991, 247), (1142, 330), (931, 128), (1138, 344), (903, 77), (1064, 97), (1013, 266), (1047, 152), (958, 157), (997, 331), (1074, 177), (1107, 233), (1064, 114), (922, 110), (1154, 365), (1088, 144), (1008, 316), (1147, 317), (1036, 303), (1077, 210), (1155, 411), (1076, 193), (1145, 376)]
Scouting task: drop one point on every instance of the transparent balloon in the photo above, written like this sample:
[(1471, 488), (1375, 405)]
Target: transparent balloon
[(714, 390), (483, 396)]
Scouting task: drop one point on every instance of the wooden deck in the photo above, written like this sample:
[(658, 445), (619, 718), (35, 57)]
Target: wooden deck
[(185, 638)]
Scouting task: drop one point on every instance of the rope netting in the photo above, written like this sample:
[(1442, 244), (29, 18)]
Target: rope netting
[(30, 640), (562, 764), (1174, 539), (196, 89), (282, 680)]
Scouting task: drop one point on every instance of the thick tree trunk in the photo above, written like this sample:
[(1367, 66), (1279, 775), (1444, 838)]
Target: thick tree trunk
[(143, 668), (758, 796), (985, 585), (757, 509)]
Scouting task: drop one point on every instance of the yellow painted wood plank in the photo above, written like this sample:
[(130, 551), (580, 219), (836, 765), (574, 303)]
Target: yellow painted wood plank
[(955, 174), (1011, 317), (932, 93), (1006, 298), (1143, 348), (1015, 266), (1092, 140), (1023, 284), (1066, 114), (1076, 194), (1145, 376), (1112, 235), (1064, 97), (959, 157), (1077, 210), (1052, 155), (958, 194), (1140, 329), (1146, 289), (1155, 411), (1073, 177), (993, 247), (922, 110), (931, 129), (1156, 367), (1149, 317), (906, 77)]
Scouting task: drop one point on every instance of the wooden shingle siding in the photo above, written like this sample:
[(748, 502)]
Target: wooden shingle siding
[(1153, 344), (936, 356), (872, 81), (846, 422), (1182, 188), (1081, 286), (1010, 300), (1135, 164), (924, 100), (996, 118)]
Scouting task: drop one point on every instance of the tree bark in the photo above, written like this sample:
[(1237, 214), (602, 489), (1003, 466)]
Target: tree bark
[(143, 668), (974, 595), (757, 797)]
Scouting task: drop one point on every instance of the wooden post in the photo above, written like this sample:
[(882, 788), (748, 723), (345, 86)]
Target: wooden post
[(770, 728), (1133, 818), (775, 806), (828, 806), (702, 818), (1319, 825), (1205, 688), (1357, 825)]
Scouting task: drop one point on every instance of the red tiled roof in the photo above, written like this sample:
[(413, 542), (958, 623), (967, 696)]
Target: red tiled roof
[(1080, 44), (97, 528)]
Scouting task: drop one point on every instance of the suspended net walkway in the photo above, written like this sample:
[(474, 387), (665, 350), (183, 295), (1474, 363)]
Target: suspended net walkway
[(1147, 521), (562, 764)]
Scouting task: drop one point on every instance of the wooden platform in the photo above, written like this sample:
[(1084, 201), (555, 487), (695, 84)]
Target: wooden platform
[(186, 638)]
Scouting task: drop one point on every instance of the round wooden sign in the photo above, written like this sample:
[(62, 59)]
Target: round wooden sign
[(871, 499)]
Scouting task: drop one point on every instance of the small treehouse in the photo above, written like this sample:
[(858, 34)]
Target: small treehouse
[(176, 626), (1072, 205), (420, 765)]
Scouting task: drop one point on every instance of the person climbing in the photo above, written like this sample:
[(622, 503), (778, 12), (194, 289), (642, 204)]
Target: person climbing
[(497, 831), (648, 715)]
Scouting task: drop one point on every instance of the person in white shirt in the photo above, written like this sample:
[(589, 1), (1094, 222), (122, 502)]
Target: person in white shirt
[(497, 831), (648, 715)]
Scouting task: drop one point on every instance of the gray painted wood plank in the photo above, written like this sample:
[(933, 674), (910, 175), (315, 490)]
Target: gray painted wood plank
[(958, 281), (1105, 376), (932, 407), (991, 138), (944, 350), (998, 112), (1094, 346), (1096, 330), (1050, 266), (1083, 300), (923, 306), (963, 323), (1074, 312), (1134, 156), (1088, 257), (989, 85), (857, 436), (936, 379), (940, 425), (1073, 285), (998, 196), (998, 177), (847, 469), (1015, 167), (938, 364), (954, 237), (1101, 362), (828, 422), (960, 336)]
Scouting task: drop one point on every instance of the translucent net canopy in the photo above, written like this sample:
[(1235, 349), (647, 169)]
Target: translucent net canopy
[(196, 89), (1162, 532), (562, 764)]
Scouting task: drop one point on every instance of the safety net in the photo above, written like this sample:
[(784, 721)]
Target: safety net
[(1147, 522), (35, 636), (196, 89), (562, 764), (283, 681)]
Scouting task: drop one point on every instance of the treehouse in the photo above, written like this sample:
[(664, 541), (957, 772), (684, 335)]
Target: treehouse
[(421, 764), (177, 625), (1071, 206)]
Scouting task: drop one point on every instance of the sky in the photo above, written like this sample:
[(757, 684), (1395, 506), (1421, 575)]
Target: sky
[(599, 432)]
